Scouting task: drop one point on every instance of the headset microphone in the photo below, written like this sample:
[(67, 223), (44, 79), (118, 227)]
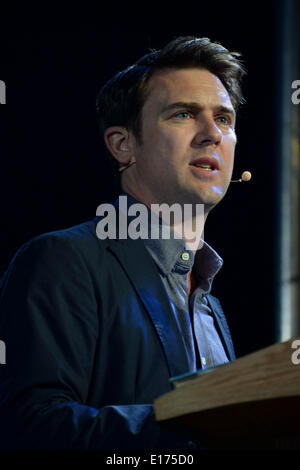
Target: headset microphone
[(246, 176), (124, 167)]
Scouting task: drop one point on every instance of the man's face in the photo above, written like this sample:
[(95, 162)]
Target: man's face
[(188, 140)]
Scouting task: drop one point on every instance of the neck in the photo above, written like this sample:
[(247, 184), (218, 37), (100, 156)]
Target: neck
[(187, 220)]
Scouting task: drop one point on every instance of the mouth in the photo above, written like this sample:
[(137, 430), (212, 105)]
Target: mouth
[(205, 165)]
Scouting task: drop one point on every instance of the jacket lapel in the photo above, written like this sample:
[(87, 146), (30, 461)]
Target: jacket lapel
[(142, 272), (222, 325)]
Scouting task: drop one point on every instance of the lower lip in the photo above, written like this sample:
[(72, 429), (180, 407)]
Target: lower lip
[(202, 173)]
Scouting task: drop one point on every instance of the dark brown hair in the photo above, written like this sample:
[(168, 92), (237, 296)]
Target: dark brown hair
[(121, 99)]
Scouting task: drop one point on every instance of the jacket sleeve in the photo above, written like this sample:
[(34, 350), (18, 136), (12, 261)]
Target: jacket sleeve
[(49, 324)]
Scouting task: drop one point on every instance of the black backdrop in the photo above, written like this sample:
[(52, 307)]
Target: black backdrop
[(52, 170)]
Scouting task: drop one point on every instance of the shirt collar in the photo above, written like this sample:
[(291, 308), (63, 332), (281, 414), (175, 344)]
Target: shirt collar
[(172, 254)]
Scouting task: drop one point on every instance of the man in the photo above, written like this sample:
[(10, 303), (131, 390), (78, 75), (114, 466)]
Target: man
[(94, 329)]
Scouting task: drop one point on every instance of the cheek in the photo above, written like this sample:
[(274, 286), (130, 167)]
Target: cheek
[(174, 145), (163, 150), (229, 150)]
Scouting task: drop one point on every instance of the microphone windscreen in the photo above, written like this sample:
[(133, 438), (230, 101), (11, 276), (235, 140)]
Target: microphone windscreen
[(246, 176)]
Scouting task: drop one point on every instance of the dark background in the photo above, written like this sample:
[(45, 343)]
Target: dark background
[(53, 174)]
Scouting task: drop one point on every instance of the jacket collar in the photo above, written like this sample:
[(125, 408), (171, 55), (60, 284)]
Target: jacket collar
[(143, 274)]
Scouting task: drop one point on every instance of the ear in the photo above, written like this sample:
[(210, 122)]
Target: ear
[(118, 143)]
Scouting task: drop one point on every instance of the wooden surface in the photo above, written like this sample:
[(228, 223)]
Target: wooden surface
[(257, 395)]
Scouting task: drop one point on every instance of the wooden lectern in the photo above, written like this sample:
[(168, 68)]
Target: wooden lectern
[(252, 402)]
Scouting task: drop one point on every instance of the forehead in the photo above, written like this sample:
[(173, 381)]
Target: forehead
[(192, 85)]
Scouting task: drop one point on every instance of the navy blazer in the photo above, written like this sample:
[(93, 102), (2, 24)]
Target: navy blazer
[(91, 341)]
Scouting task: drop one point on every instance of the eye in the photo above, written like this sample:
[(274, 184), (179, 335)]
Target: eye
[(182, 115), (224, 120)]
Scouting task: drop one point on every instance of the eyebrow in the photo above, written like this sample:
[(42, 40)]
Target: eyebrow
[(195, 106)]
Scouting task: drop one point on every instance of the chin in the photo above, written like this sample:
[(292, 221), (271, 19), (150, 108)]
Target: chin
[(208, 197)]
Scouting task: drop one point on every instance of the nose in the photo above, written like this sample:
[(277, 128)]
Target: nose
[(208, 132)]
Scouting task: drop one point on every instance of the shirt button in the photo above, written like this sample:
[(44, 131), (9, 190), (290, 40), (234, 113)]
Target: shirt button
[(203, 360), (185, 256)]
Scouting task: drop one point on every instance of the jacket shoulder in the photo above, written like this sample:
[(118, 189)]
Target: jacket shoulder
[(59, 246)]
